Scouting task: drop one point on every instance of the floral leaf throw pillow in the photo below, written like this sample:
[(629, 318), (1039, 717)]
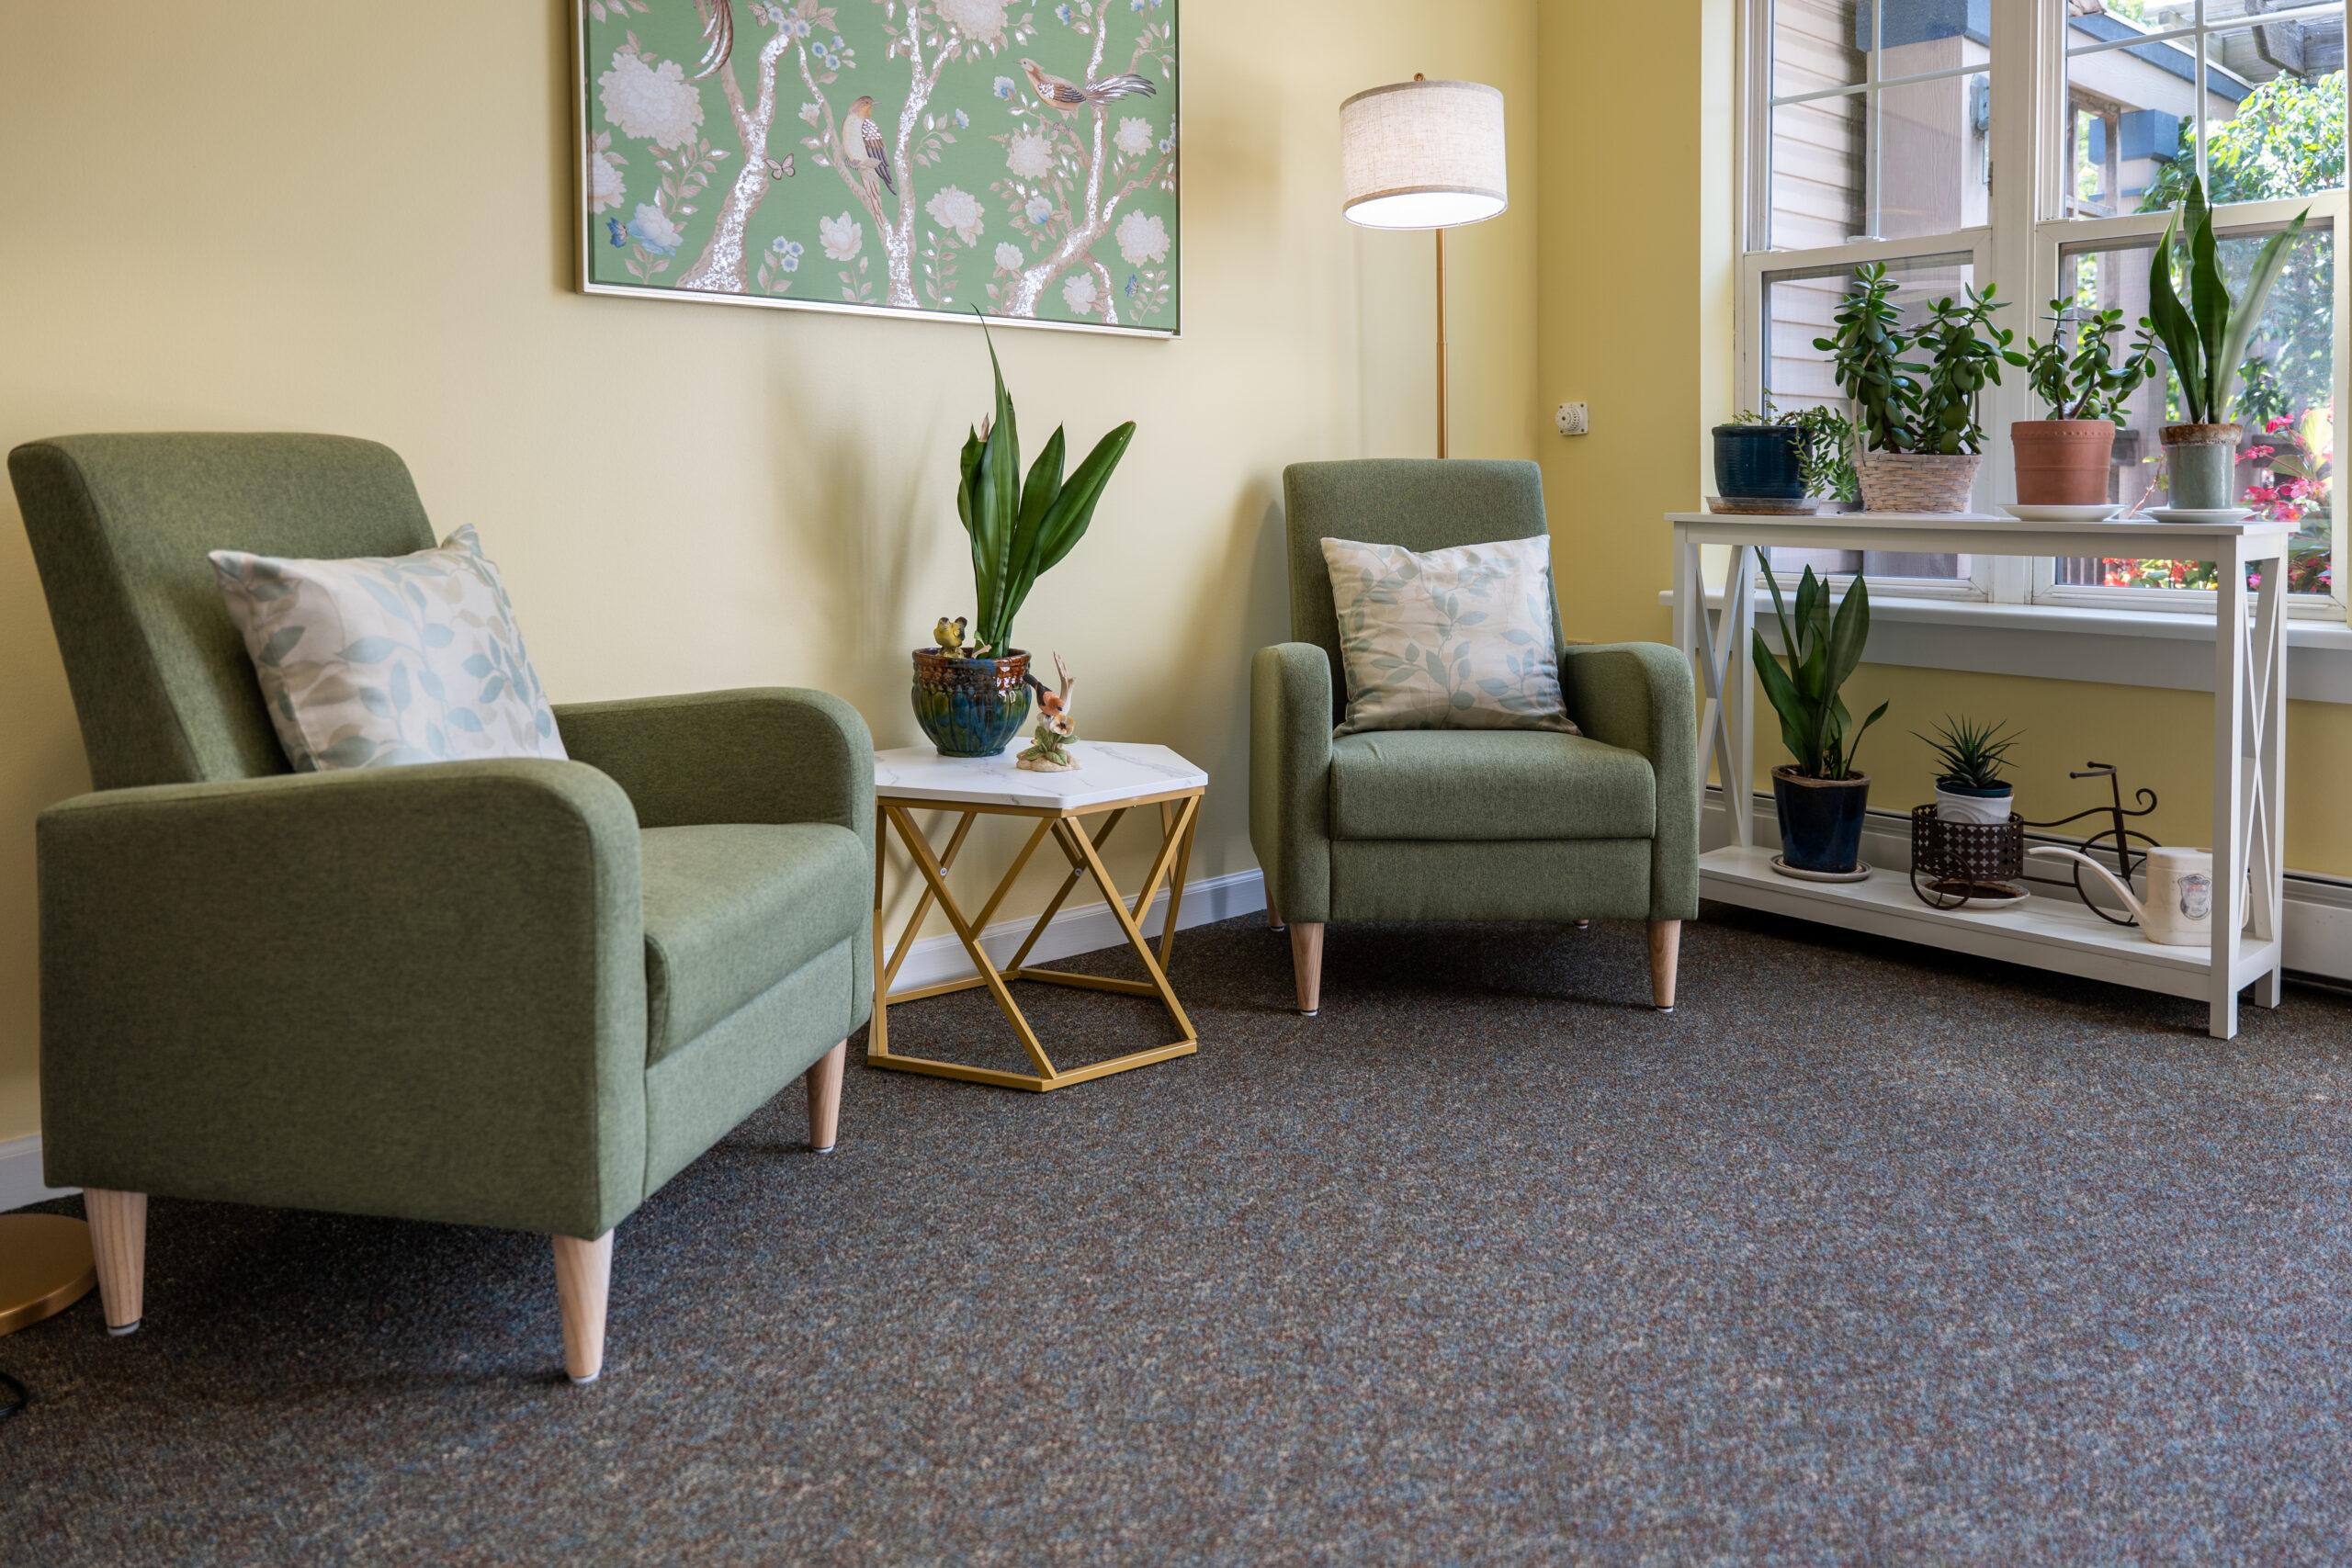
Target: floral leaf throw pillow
[(382, 659), (1451, 640)]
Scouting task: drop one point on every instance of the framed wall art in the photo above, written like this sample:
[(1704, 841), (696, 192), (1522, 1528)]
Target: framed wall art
[(903, 157)]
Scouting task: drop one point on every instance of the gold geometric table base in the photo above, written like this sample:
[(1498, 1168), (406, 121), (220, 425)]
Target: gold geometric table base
[(45, 1266), (1179, 817)]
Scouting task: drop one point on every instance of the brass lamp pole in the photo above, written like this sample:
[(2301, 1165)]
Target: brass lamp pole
[(1424, 154)]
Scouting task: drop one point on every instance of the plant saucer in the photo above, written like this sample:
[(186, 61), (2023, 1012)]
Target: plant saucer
[(2201, 513), (1750, 507), (1861, 873), (2098, 513)]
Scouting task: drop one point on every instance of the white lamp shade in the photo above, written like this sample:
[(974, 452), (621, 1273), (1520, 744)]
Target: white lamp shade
[(1422, 155)]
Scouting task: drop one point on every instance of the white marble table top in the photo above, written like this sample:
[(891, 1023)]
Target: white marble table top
[(1113, 771)]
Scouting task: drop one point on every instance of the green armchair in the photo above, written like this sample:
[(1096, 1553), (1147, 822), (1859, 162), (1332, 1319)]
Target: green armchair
[(1463, 824), (512, 993)]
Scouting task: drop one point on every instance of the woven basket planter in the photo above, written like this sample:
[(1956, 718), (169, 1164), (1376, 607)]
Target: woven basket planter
[(1917, 481)]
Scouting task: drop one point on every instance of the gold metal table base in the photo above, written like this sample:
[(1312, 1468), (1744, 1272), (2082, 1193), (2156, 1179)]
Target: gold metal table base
[(1179, 816), (45, 1266)]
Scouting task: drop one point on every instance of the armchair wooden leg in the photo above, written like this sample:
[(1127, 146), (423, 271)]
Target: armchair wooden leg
[(119, 1245), (824, 1082), (583, 1275), (1666, 950), (1307, 966), (1584, 925), (1273, 916)]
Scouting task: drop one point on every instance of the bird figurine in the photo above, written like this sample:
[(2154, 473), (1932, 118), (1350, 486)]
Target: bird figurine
[(1055, 93), (862, 138), (949, 634), (1048, 750)]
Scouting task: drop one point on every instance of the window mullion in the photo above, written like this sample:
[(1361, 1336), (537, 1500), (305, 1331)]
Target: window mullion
[(2008, 258), (1873, 124), (2337, 204)]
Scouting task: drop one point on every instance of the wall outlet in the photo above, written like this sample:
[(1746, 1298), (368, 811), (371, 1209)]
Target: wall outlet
[(1572, 418)]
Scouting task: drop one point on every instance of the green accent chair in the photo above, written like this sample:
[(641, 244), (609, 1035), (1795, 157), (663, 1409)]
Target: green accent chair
[(1463, 824), (513, 993)]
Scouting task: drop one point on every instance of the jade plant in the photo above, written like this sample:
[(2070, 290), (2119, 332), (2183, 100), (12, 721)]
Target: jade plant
[(1926, 404), (1020, 530), (2207, 338), (2086, 382), (1823, 650)]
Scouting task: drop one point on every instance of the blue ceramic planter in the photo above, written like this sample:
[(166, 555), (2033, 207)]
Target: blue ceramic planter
[(1821, 820), (1758, 462), (970, 707)]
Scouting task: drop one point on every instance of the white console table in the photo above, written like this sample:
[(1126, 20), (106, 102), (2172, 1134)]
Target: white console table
[(2249, 749)]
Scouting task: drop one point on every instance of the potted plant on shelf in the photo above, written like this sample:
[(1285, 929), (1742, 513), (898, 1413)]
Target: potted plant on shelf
[(1819, 798), (2206, 339), (1798, 462), (971, 701), (1969, 758), (2066, 459), (1918, 417)]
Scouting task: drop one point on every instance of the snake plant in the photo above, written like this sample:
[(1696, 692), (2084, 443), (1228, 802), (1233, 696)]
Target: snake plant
[(2208, 337), (1822, 651), (1022, 530)]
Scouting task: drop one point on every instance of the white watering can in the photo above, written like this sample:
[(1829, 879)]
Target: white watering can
[(2178, 911)]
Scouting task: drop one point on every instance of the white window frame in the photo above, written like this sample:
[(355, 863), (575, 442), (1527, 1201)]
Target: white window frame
[(2019, 252)]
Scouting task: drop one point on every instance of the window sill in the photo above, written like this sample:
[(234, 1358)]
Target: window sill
[(2119, 648)]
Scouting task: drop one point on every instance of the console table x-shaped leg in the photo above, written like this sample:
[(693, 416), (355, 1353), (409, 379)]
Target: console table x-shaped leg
[(1179, 816)]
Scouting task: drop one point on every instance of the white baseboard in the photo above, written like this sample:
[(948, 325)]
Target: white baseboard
[(934, 959), (20, 1181), (2319, 908), (938, 959)]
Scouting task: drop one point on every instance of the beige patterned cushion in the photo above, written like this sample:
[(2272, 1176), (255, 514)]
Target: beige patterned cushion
[(382, 660), (1452, 640)]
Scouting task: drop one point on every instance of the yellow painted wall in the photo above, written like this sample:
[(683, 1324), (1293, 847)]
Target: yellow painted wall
[(285, 215), (1635, 217), (1639, 270)]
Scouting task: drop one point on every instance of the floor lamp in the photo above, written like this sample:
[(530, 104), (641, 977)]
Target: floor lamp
[(1424, 154)]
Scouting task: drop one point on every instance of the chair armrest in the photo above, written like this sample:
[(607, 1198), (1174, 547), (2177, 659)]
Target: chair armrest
[(1290, 771), (1638, 696), (764, 754), (767, 754), (412, 991)]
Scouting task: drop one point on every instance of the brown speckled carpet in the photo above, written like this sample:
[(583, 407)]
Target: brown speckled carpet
[(1863, 1255)]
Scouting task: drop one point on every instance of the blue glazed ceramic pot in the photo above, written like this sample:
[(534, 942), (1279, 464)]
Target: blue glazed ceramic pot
[(970, 707), (1758, 462), (1821, 819)]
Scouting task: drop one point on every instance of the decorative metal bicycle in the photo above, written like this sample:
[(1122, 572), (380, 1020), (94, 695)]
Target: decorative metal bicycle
[(2116, 838)]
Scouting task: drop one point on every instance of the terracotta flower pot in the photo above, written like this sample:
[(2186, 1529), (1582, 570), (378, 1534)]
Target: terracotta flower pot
[(970, 707), (1917, 481), (2062, 462), (2202, 465)]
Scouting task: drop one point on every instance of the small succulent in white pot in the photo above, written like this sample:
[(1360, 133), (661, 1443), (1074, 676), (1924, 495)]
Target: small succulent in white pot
[(1969, 758)]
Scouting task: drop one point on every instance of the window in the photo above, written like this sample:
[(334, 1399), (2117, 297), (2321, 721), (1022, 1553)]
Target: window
[(1870, 136)]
